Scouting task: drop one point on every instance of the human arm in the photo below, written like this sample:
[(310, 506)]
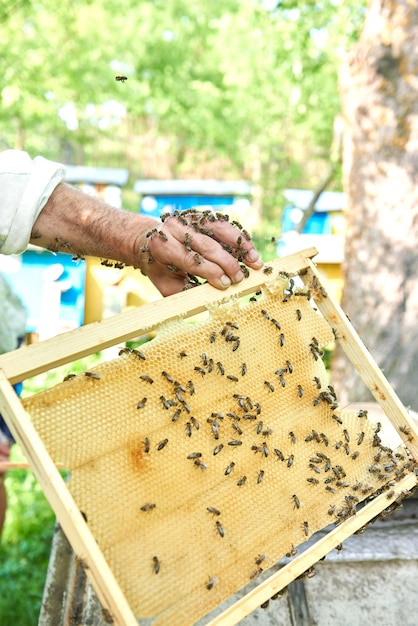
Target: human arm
[(82, 225)]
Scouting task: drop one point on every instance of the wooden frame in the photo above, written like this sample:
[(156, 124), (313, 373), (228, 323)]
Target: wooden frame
[(34, 359)]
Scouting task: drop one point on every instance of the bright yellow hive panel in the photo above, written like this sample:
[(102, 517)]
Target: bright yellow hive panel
[(206, 457)]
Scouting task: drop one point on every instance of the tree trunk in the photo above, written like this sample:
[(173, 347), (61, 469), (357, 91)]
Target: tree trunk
[(379, 91)]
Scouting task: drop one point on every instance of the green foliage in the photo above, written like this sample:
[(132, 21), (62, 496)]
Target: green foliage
[(24, 548), (247, 84)]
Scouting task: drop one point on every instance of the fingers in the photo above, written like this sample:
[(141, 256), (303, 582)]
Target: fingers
[(215, 251)]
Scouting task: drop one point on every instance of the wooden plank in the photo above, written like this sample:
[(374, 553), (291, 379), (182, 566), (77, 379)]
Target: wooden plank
[(278, 581), (365, 364), (37, 358), (65, 508)]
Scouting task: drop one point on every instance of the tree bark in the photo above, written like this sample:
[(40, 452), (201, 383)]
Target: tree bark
[(379, 93)]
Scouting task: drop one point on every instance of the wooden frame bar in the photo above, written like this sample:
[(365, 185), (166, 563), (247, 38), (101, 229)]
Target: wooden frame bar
[(32, 360)]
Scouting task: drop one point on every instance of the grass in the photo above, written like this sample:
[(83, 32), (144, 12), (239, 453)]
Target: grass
[(26, 541)]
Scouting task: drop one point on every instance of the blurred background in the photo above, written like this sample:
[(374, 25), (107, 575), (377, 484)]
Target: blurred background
[(297, 118)]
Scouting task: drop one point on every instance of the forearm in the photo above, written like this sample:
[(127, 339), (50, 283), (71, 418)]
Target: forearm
[(81, 225)]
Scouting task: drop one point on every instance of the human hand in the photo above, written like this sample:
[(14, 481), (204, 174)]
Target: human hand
[(194, 243)]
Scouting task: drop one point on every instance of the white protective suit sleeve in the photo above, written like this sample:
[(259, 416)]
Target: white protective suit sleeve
[(25, 187)]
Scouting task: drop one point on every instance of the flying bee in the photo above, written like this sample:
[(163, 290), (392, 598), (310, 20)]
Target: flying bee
[(121, 79), (156, 564), (220, 529)]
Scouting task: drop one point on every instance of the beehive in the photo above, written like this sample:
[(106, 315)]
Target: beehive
[(218, 448)]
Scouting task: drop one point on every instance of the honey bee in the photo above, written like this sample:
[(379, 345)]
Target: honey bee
[(292, 437), (92, 375), (296, 501), (146, 378), (237, 428), (155, 564), (148, 507), (298, 315), (162, 235), (306, 528), (69, 377), (229, 469), (269, 386), (162, 444), (211, 582), (121, 79), (242, 481), (194, 455), (300, 391), (200, 465), (220, 529), (260, 476), (195, 423), (235, 442), (217, 449), (141, 403), (267, 270), (221, 368), (146, 445), (279, 454), (233, 378), (188, 429)]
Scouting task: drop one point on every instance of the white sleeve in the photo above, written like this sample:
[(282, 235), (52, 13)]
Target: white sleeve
[(25, 187)]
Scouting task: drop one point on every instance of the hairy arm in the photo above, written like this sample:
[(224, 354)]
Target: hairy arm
[(78, 224)]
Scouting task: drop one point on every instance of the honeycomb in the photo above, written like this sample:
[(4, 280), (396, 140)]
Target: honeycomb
[(218, 448)]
